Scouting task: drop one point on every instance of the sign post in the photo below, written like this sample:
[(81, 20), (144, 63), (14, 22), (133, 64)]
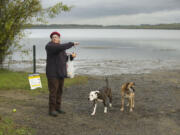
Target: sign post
[(34, 79), (34, 59)]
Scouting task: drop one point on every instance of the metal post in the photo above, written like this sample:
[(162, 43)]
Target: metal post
[(34, 58)]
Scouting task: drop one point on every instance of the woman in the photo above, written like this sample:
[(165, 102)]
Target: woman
[(56, 71)]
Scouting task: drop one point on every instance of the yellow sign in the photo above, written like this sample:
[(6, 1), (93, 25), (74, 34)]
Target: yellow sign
[(35, 81)]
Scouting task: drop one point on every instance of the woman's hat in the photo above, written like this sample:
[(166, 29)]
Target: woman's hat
[(55, 33)]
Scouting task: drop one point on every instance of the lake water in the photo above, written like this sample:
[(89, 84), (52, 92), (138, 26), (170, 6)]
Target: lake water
[(107, 51)]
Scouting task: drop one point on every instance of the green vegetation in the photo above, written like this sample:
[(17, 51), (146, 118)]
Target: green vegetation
[(8, 127), (148, 26), (16, 13), (18, 81), (76, 26), (10, 80)]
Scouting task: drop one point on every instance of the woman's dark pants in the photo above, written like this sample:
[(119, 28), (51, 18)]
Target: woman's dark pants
[(55, 86)]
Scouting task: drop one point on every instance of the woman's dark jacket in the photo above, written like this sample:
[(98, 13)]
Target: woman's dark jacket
[(56, 59)]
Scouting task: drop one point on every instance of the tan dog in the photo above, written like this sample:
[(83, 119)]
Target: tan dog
[(128, 91)]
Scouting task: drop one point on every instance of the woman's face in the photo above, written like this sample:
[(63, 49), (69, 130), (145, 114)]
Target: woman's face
[(55, 39)]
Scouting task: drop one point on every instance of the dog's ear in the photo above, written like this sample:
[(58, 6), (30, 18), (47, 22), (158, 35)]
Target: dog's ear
[(131, 83), (97, 93), (126, 85)]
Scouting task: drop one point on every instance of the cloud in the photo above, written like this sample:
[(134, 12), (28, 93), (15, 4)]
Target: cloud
[(118, 11), (122, 7), (142, 18)]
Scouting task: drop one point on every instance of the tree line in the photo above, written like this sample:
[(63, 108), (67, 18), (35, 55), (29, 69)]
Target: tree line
[(85, 26)]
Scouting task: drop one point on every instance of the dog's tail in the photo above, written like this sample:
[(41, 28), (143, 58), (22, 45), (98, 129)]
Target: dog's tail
[(107, 82)]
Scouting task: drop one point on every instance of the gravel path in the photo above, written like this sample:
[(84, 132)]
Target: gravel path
[(157, 108)]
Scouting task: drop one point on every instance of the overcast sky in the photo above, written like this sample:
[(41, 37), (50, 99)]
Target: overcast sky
[(118, 12)]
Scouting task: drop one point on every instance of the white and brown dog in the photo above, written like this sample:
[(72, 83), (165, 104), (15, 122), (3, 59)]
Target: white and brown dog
[(128, 91), (101, 95)]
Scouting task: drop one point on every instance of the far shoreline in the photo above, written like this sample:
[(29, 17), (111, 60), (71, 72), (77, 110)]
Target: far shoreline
[(174, 26), (104, 28)]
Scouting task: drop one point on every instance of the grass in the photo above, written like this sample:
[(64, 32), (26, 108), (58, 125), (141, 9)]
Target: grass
[(8, 127), (10, 80)]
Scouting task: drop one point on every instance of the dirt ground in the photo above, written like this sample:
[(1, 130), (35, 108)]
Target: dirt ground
[(157, 108)]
